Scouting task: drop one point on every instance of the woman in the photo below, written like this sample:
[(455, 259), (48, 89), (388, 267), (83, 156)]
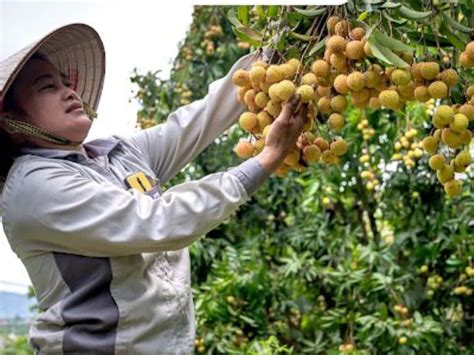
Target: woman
[(105, 249)]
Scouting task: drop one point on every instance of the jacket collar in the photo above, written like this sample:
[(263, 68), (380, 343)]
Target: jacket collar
[(92, 150)]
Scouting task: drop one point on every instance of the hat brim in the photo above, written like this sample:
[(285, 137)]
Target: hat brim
[(76, 50)]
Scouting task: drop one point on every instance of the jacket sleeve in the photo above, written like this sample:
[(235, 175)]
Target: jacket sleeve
[(49, 207), (168, 147)]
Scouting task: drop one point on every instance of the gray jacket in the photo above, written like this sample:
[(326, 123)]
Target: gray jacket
[(110, 265)]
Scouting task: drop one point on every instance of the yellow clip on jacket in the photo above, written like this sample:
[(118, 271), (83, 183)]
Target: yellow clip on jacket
[(109, 264)]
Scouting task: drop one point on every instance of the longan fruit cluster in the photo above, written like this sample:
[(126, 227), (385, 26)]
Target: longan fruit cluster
[(448, 145), (408, 148), (466, 58), (264, 89)]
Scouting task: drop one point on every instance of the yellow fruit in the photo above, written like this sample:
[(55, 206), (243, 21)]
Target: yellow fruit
[(407, 91), (450, 138), (445, 174), (400, 77), (274, 74), (459, 123), (338, 103), (311, 153), (402, 340), (437, 162), (372, 79), (336, 44), (465, 137), (288, 70), (339, 147), (355, 50), (261, 99), (342, 28), (309, 79), (338, 61), (241, 93), (367, 50), (438, 90), (356, 81), (407, 57), (249, 99), (295, 63), (470, 91), (444, 114), (321, 143), (463, 158), (282, 170), (465, 61), (336, 122), (292, 158), (357, 33), (244, 149), (360, 96), (241, 78), (257, 74), (429, 70), (306, 92), (248, 121), (320, 68), (328, 156), (422, 94), (340, 84), (430, 144), (323, 90), (331, 24), (286, 90), (273, 93), (374, 103), (324, 104), (453, 188), (259, 145), (260, 63), (389, 99), (273, 108), (470, 50), (467, 110), (264, 119), (449, 76)]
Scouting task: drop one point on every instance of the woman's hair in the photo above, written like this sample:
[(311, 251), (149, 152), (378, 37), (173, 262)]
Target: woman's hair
[(8, 149)]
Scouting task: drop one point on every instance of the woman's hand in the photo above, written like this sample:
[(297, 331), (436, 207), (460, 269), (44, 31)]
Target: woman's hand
[(283, 135)]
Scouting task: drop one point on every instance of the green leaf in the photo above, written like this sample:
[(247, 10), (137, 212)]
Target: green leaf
[(385, 54), (391, 19), (383, 311), (232, 17), (391, 42), (455, 40), (363, 16), (273, 11), (412, 14), (302, 37), (428, 39), (456, 24), (311, 12), (317, 47), (243, 14), (390, 5), (242, 35)]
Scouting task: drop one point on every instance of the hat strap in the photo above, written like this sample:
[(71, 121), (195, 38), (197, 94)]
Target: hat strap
[(36, 132)]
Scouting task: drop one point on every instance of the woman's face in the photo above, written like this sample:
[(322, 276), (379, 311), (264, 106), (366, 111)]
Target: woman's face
[(45, 96)]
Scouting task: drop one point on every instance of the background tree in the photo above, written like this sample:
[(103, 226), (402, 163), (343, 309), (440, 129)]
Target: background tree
[(367, 255)]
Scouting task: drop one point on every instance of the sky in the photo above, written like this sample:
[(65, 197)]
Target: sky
[(136, 34)]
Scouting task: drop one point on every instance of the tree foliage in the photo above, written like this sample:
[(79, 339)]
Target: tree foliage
[(318, 262)]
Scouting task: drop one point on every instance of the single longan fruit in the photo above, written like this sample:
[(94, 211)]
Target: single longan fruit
[(355, 50), (429, 70), (306, 92), (336, 44), (241, 78), (389, 99), (356, 81), (257, 74), (248, 120), (438, 90), (453, 188), (336, 122), (320, 68), (244, 149)]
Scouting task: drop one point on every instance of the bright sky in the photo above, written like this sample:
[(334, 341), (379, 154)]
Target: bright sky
[(138, 33)]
